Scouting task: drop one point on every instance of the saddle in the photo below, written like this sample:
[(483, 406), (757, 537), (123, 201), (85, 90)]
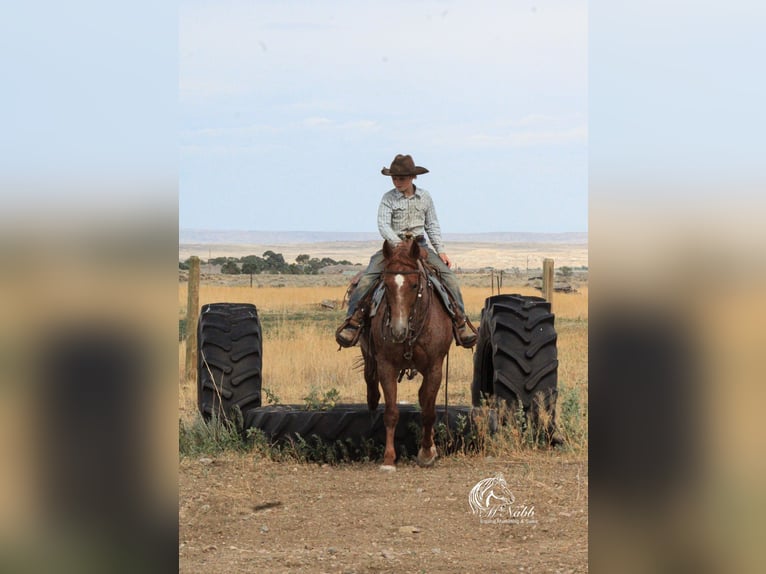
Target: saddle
[(372, 300), (378, 290)]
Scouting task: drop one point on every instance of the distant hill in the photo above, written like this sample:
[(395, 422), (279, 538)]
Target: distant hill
[(503, 250), (213, 237)]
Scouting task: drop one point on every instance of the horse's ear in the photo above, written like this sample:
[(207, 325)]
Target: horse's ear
[(415, 250), (387, 251)]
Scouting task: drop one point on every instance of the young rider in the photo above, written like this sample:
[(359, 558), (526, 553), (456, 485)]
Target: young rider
[(406, 209)]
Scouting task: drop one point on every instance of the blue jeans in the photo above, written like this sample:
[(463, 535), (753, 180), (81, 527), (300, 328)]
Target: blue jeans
[(375, 268)]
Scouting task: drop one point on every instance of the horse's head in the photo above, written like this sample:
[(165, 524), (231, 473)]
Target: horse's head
[(401, 276)]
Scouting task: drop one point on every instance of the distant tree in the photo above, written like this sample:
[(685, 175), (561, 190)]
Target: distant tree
[(183, 265), (565, 272), (303, 258), (275, 262), (230, 268), (327, 261), (253, 264), (313, 266)]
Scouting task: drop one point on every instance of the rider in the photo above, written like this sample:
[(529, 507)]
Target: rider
[(406, 209)]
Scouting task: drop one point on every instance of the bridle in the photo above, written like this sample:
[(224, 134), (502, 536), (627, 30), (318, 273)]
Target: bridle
[(416, 321)]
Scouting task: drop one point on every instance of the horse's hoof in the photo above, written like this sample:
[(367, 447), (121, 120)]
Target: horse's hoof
[(427, 460), (387, 468)]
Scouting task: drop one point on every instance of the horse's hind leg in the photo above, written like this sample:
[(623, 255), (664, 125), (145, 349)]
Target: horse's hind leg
[(427, 395), (371, 378), (373, 396)]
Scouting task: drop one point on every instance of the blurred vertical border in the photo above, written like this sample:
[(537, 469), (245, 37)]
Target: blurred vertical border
[(678, 286), (88, 252)]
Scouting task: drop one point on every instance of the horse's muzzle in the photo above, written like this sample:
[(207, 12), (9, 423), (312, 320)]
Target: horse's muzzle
[(399, 333)]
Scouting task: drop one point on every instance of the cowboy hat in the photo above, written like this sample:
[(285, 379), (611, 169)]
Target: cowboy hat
[(403, 165)]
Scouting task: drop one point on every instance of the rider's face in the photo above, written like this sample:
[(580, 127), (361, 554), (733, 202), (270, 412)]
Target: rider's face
[(402, 182)]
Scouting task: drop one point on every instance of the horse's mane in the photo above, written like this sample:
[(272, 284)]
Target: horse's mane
[(402, 255)]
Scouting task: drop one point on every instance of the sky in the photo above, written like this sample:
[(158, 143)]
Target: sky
[(289, 110)]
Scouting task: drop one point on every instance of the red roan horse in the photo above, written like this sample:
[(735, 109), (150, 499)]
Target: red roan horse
[(411, 329)]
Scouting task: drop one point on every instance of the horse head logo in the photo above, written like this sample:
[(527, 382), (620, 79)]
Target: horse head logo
[(491, 496)]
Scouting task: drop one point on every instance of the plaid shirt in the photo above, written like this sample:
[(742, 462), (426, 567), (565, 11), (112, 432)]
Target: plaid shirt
[(398, 214)]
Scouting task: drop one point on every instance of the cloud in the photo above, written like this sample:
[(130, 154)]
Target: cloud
[(231, 150), (234, 136), (535, 120), (530, 138), (236, 131), (200, 88), (363, 125), (317, 122)]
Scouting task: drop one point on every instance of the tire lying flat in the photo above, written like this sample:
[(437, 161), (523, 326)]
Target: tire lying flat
[(516, 359), (352, 424), (230, 359)]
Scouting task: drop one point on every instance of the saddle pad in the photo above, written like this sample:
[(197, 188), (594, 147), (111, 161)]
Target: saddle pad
[(439, 289), (377, 297)]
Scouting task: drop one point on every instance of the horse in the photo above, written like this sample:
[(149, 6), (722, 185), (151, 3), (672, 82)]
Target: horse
[(410, 330)]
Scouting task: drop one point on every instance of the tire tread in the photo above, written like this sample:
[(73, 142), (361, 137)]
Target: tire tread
[(229, 370)]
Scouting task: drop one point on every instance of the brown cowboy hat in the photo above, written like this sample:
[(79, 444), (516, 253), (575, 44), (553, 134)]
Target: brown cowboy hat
[(403, 165)]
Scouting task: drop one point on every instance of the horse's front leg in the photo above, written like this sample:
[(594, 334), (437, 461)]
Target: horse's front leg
[(432, 380), (391, 415)]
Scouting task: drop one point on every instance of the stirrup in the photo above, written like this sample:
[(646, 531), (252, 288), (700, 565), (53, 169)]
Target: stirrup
[(469, 341), (348, 324)]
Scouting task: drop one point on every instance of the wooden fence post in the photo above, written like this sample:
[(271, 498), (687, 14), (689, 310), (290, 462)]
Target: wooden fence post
[(192, 315), (548, 280)]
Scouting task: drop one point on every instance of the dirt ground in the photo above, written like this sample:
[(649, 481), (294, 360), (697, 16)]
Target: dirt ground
[(241, 513)]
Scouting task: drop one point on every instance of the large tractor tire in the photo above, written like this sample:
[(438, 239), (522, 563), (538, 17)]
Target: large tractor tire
[(362, 433), (516, 358), (230, 359)]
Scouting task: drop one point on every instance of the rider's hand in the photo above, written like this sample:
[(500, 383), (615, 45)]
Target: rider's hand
[(445, 258)]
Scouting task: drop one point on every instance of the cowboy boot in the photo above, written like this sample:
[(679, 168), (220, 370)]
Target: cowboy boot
[(465, 333), (348, 333)]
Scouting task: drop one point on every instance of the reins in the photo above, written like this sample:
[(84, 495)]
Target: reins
[(414, 326)]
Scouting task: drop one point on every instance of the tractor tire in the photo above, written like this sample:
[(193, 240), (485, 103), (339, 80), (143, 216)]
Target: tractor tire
[(361, 431), (229, 345), (516, 357)]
